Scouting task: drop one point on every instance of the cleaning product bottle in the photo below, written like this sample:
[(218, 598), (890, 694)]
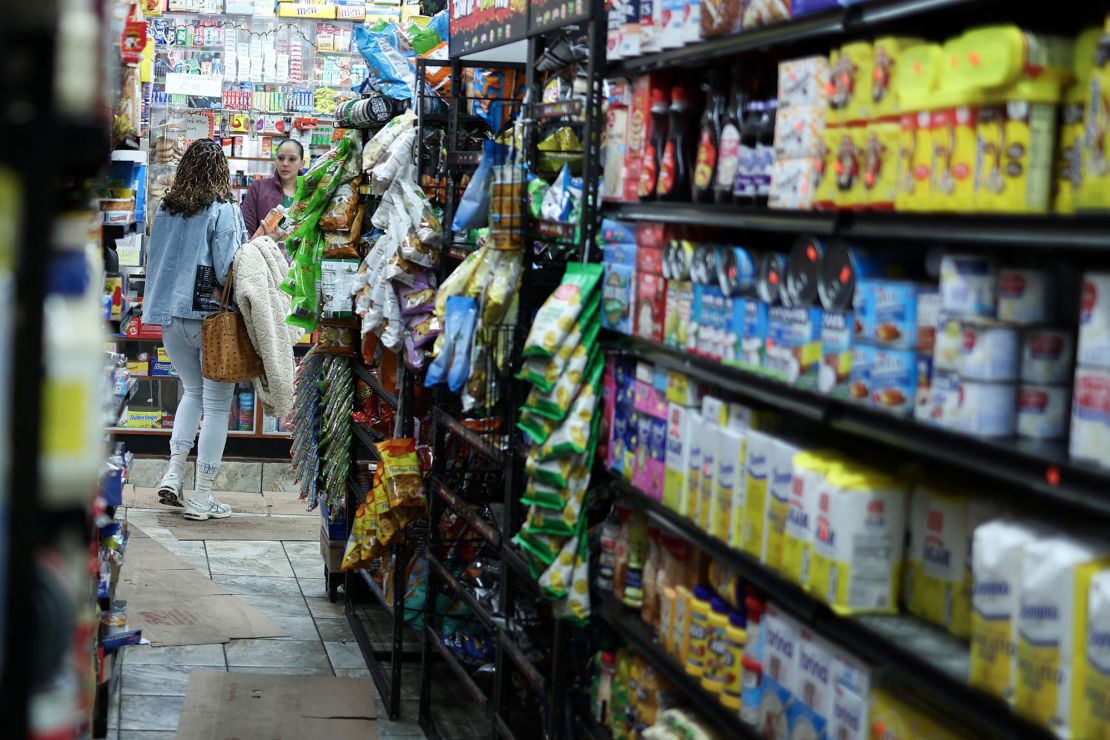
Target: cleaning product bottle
[(697, 630), (731, 660), (709, 139), (653, 149), (675, 166), (751, 691), (713, 677)]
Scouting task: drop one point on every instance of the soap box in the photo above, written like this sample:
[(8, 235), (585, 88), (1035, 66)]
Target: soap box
[(804, 82)]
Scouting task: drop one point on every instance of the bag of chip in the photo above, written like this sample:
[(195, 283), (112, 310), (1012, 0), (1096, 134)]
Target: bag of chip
[(544, 372), (556, 403), (578, 294), (401, 477), (537, 427)]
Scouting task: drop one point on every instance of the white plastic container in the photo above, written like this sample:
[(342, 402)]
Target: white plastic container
[(1046, 356), (987, 409), (990, 351), (1026, 296), (1042, 411)]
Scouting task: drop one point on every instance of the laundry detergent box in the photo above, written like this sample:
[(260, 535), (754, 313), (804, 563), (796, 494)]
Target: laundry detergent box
[(1050, 625), (618, 297), (780, 669), (793, 347)]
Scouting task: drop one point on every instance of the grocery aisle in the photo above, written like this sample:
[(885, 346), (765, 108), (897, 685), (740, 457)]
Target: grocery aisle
[(282, 580)]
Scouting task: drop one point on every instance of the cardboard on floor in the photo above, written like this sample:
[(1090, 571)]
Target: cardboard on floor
[(244, 527), (228, 705)]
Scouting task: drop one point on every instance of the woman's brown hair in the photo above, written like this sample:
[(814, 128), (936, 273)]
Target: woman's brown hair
[(201, 178)]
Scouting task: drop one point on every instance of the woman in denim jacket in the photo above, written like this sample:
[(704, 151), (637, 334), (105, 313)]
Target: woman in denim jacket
[(193, 241)]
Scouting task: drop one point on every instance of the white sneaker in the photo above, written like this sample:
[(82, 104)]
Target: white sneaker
[(199, 511), (169, 490)]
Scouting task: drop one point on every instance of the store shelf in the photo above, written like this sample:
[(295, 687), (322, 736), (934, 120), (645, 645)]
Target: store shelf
[(463, 593), (640, 636), (468, 435), (367, 437), (475, 691), (356, 490), (1040, 472), (139, 432), (995, 231), (501, 729), (920, 655), (865, 19), (529, 671), (375, 383), (466, 512)]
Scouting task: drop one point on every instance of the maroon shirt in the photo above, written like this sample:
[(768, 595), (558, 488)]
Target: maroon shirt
[(263, 196)]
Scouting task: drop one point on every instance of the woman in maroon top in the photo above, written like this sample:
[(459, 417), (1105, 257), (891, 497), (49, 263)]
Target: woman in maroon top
[(266, 194)]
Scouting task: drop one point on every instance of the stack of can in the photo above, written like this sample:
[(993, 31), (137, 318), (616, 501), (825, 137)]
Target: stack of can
[(1090, 417), (1000, 365)]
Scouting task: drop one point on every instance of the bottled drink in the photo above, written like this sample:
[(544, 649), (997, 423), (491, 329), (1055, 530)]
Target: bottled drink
[(744, 189), (674, 170), (728, 157), (765, 151), (653, 151), (709, 139)]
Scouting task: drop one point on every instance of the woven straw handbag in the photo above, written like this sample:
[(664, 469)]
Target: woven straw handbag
[(227, 354)]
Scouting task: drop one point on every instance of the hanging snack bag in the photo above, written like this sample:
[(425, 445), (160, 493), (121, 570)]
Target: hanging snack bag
[(376, 149), (537, 426), (573, 435), (544, 372), (401, 478), (578, 294), (556, 403)]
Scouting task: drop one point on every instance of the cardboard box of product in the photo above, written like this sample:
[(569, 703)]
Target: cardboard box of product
[(141, 419), (138, 368), (305, 10)]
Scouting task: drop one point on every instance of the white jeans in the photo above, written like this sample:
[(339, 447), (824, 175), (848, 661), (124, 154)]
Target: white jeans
[(182, 340)]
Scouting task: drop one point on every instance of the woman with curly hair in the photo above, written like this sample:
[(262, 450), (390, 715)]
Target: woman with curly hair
[(193, 241)]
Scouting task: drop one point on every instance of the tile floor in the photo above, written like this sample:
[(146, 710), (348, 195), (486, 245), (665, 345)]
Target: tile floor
[(283, 580)]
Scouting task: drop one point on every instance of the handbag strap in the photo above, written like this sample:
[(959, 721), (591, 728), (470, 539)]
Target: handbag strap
[(225, 292)]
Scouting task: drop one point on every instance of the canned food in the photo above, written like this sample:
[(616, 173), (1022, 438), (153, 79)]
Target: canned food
[(1089, 415), (948, 345), (769, 283), (987, 409), (1094, 321), (676, 259), (703, 265), (843, 267), (989, 351), (944, 400), (893, 379), (735, 270), (1046, 356), (968, 284), (803, 271), (1042, 411), (1026, 296)]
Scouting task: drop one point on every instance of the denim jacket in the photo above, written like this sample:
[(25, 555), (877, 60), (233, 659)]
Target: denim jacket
[(188, 258)]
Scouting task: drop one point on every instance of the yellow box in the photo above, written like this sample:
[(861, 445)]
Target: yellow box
[(1017, 143), (306, 10), (885, 58), (138, 367), (915, 161), (143, 419), (350, 13), (162, 355), (1070, 141), (824, 180), (953, 146), (880, 164), (847, 162)]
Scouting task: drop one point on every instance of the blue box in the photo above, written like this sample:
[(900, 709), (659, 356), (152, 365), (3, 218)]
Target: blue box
[(337, 530), (164, 369), (618, 297), (753, 317), (793, 352)]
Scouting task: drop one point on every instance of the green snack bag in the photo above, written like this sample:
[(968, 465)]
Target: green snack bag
[(572, 437), (555, 319), (556, 403), (540, 545), (551, 521), (538, 493), (554, 472), (537, 427), (576, 606), (557, 578), (544, 372)]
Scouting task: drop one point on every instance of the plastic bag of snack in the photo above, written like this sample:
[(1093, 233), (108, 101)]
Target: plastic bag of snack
[(377, 148), (537, 192), (578, 294), (427, 225), (452, 363), (556, 403), (473, 209), (553, 472), (391, 72), (419, 297), (536, 426), (455, 283), (418, 252), (576, 606), (558, 577), (544, 372), (339, 214), (502, 287), (561, 148), (401, 477), (398, 163), (574, 434), (543, 547)]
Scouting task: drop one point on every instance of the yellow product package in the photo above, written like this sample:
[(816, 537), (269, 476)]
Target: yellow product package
[(780, 480), (1069, 143), (676, 457), (892, 718), (996, 559), (1092, 679), (824, 176), (849, 74), (857, 548), (1094, 189), (809, 479), (880, 164), (579, 295), (885, 59), (917, 76), (757, 474), (728, 481), (695, 425), (1049, 626)]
